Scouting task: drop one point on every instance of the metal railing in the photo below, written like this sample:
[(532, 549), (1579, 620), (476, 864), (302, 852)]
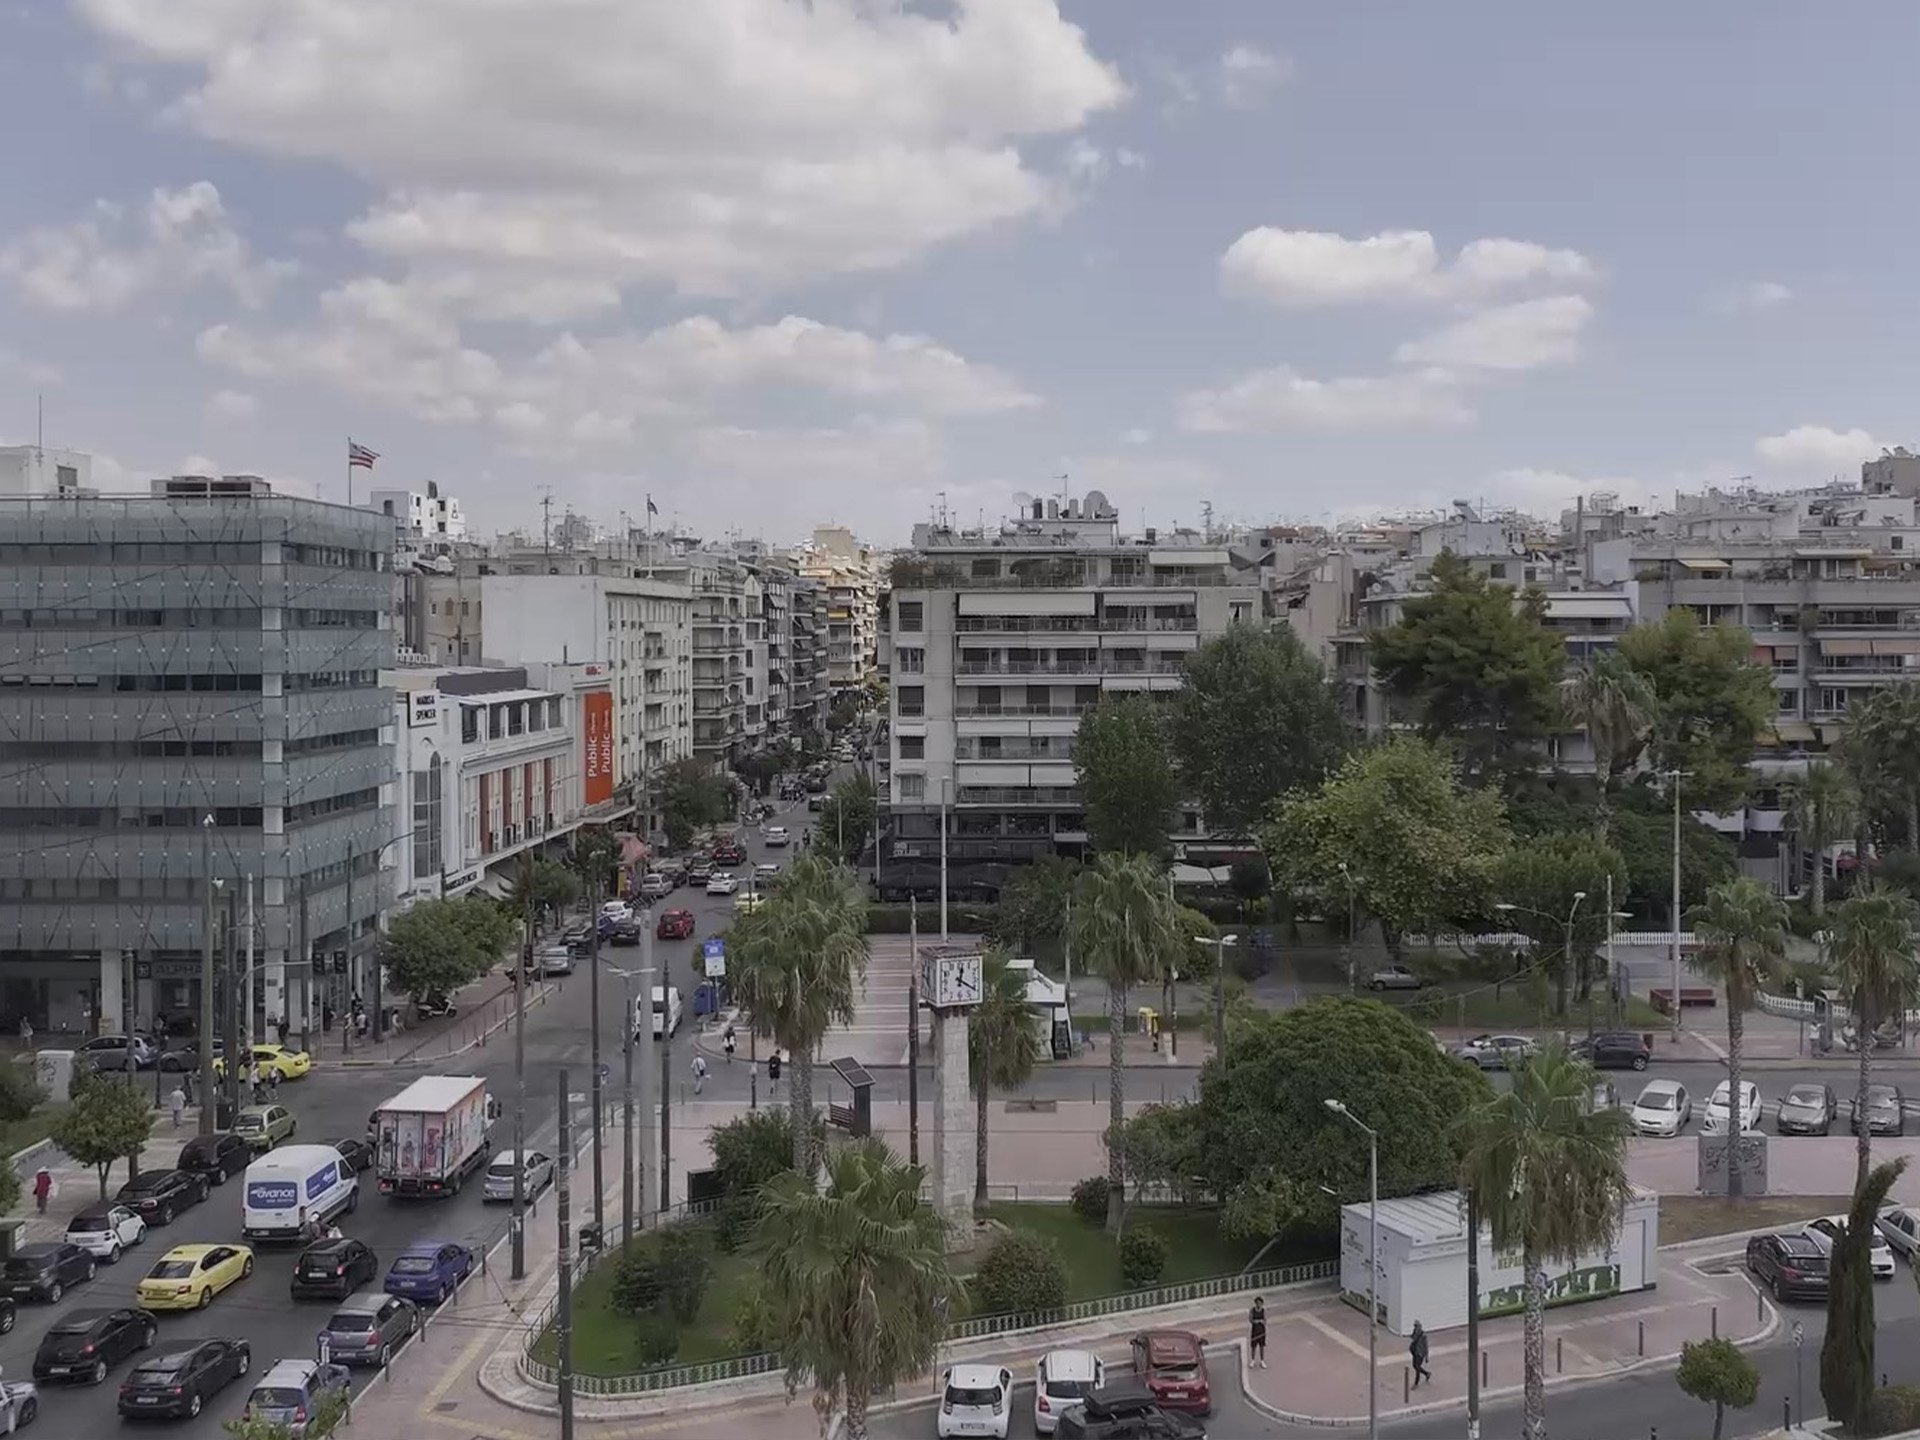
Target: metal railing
[(996, 712)]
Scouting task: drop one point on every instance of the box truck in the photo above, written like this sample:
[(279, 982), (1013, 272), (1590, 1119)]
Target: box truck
[(432, 1135)]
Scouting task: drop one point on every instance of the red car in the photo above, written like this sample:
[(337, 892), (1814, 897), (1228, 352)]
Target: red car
[(1173, 1365), (724, 855), (674, 925)]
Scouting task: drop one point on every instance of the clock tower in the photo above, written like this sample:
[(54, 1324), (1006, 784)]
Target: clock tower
[(950, 983)]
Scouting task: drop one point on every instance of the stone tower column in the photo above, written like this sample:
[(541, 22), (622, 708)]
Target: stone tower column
[(954, 1138)]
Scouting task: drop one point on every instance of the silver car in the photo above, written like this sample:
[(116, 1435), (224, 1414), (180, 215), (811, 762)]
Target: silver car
[(1497, 1052), (1395, 977), (367, 1329), (499, 1182)]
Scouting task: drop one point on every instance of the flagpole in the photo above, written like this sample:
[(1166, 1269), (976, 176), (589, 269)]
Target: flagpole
[(349, 472), (649, 537)]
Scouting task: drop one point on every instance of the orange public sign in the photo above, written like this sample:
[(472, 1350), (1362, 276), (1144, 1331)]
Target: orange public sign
[(598, 770)]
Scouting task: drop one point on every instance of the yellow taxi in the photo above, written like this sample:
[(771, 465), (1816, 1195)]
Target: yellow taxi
[(290, 1064), (187, 1277)]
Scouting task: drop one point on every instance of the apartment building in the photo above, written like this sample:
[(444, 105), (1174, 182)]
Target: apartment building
[(425, 520), (998, 641), (28, 470), (190, 697), (809, 674), (847, 569)]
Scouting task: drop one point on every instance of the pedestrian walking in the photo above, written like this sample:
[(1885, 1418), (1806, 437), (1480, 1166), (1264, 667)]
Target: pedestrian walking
[(1257, 1333), (726, 1040), (42, 1188), (699, 1072), (177, 1104), (1417, 1349), (280, 1028), (773, 1070)]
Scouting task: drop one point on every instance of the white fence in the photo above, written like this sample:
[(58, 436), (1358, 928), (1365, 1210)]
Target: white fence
[(1646, 939)]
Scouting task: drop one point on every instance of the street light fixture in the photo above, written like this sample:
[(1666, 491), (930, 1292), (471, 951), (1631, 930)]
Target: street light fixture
[(1339, 1107), (1219, 943), (1566, 925), (1346, 877)]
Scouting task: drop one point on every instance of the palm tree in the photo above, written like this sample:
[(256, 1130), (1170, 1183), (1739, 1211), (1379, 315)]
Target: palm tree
[(1126, 928), (856, 1277), (1003, 1046), (1824, 806), (794, 962), (1616, 705), (1743, 930), (1550, 1173), (1870, 949), (1864, 761)]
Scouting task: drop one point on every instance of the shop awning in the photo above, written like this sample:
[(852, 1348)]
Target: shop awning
[(1707, 564), (1584, 607)]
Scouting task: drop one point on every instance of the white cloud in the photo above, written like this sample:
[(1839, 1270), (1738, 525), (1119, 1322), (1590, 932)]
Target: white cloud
[(777, 481), (232, 405), (1249, 75), (1546, 492), (1753, 297), (1283, 399), (720, 148), (1302, 268), (1136, 436), (15, 366), (179, 239), (1522, 336), (1816, 448), (196, 465)]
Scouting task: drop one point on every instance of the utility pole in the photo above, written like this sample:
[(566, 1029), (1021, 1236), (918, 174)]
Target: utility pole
[(229, 1013), (546, 521), (626, 1110), (563, 1205), (517, 1222), (593, 981), (305, 964), (1674, 940), (640, 1025), (246, 979), (208, 1107), (913, 1031), (1473, 1314), (666, 1110)]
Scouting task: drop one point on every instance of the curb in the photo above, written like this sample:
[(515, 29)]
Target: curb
[(414, 1060)]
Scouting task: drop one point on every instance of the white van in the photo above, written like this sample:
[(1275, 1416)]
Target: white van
[(295, 1186), (665, 1010)]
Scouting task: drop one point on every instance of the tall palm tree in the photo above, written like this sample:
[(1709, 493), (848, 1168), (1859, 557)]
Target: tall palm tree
[(1870, 948), (1126, 929), (856, 1277), (1864, 761), (1615, 705), (1743, 929), (794, 963), (1824, 805), (1003, 1046), (1551, 1176)]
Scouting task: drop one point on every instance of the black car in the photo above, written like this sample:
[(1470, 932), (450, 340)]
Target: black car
[(44, 1272), (1793, 1267), (334, 1268), (159, 1195), (357, 1153), (84, 1344), (1126, 1412), (624, 932), (1885, 1110), (1615, 1050), (218, 1157), (178, 1384)]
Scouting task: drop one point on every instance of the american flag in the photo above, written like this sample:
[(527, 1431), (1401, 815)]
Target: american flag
[(652, 509), (359, 457)]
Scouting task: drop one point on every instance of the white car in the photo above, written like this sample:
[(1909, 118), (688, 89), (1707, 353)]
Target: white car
[(104, 1231), (722, 883), (976, 1400), (1062, 1380), (1901, 1225), (1829, 1228), (1664, 1107), (616, 910), (764, 872), (1715, 1122), (776, 835)]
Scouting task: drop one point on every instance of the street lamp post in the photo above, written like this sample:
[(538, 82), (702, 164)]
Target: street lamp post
[(1219, 943), (208, 1106), (1673, 940), (1566, 938), (644, 974), (1339, 1107), (1346, 879)]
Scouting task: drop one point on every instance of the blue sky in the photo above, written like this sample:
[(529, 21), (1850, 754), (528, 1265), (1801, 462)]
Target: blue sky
[(777, 264)]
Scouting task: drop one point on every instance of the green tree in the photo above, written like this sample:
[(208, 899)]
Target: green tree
[(1711, 702), (1615, 705), (1847, 1358), (1251, 880), (1265, 1143), (1420, 853), (1742, 928), (1034, 904), (1862, 758), (1822, 806), (1554, 891), (593, 855), (846, 822), (1717, 1372), (1003, 1046), (541, 889), (1122, 763), (1888, 721), (1550, 1172), (1254, 719), (691, 797), (1474, 664), (1126, 931), (1157, 1148), (1643, 834), (439, 945), (856, 1278), (794, 962), (105, 1122), (20, 1095), (1870, 952)]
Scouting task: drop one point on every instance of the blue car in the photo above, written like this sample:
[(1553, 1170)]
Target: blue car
[(429, 1271)]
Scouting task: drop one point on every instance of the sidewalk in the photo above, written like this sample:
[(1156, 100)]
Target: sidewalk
[(76, 1186), (484, 1010)]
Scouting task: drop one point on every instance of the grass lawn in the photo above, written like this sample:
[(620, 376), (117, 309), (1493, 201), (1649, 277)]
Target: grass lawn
[(1695, 1217), (17, 1135), (603, 1337), (1196, 1250)]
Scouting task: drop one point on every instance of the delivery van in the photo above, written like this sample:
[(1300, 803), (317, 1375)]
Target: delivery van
[(666, 1013), (294, 1187)]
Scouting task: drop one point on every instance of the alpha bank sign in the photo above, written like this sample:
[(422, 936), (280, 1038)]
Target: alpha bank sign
[(423, 709)]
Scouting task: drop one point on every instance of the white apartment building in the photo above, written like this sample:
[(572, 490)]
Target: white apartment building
[(424, 520), (848, 571), (35, 470), (998, 641)]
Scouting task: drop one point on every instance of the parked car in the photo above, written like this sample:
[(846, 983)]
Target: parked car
[(1720, 1104), (1829, 1228), (765, 872), (975, 1400), (105, 1231), (776, 836), (1886, 1110), (9, 1317), (721, 882), (1173, 1366), (47, 1271), (187, 1277), (19, 1404), (178, 1384), (1062, 1380), (1615, 1050), (82, 1345), (1807, 1110), (218, 1157), (367, 1329), (357, 1153), (747, 902), (1663, 1108), (333, 1268), (290, 1391), (1791, 1266), (552, 960), (429, 1270), (655, 886), (264, 1126), (159, 1195), (674, 925), (1901, 1225), (291, 1064), (1395, 977), (1127, 1412), (616, 910), (118, 1052), (538, 1171), (1497, 1052)]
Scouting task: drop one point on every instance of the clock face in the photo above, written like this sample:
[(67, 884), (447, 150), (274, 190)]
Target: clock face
[(956, 980)]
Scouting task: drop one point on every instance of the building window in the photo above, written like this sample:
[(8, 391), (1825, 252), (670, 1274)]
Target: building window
[(469, 724), (910, 660), (913, 787), (913, 747), (913, 700), (911, 615), (428, 819)]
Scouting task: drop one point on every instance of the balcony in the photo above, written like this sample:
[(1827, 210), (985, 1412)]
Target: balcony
[(976, 748), (995, 712), (1068, 795), (1112, 665)]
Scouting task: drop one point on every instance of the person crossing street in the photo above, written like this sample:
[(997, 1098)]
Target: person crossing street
[(699, 1073)]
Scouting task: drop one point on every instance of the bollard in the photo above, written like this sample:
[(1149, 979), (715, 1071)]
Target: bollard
[(1643, 1339), (1406, 1384), (1483, 1369), (1759, 1306), (1716, 1322), (1559, 1354), (1786, 1413)]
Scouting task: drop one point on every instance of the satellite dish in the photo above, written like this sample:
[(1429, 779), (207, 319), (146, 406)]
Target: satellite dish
[(1096, 504), (1022, 503)]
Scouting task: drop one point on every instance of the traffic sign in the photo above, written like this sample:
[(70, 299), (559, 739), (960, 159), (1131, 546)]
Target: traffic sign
[(714, 952)]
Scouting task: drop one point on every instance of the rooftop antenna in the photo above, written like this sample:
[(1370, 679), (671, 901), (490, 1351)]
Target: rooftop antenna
[(546, 521), (39, 428)]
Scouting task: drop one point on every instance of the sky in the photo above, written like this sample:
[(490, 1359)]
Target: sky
[(778, 264)]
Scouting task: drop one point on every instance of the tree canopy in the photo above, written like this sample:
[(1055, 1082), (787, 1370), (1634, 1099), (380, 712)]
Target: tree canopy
[(691, 797), (846, 821), (106, 1121), (1126, 779), (439, 945), (1711, 702), (1254, 719), (1473, 664), (1717, 1372), (1643, 834), (1034, 903), (1557, 889)]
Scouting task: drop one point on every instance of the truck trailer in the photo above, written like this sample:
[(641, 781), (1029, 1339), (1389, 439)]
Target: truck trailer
[(431, 1136)]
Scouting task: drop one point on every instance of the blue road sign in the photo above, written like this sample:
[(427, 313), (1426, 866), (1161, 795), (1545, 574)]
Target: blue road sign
[(713, 949)]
